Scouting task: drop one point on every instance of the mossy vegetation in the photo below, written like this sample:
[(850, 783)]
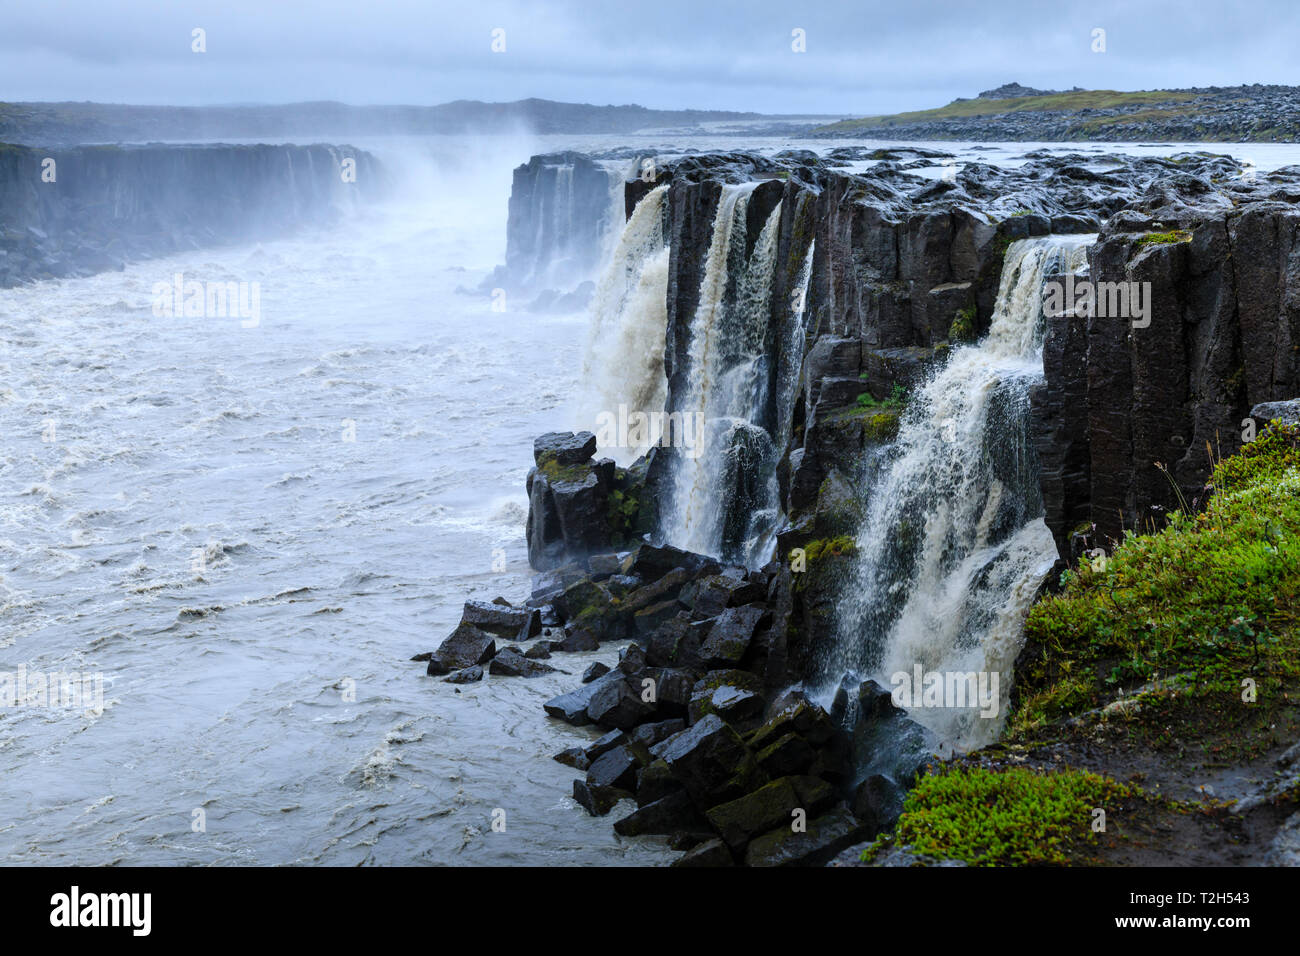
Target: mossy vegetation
[(963, 326), (1165, 238), (1014, 816), (897, 399), (624, 509), (820, 548), (554, 471), (1196, 623)]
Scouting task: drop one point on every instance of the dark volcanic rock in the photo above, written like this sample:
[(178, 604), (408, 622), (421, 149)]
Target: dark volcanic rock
[(771, 805), (466, 647), (711, 761), (510, 663), (593, 671), (564, 448), (730, 636), (507, 623), (572, 707), (666, 815), (826, 836), (709, 853), (467, 675), (620, 703)]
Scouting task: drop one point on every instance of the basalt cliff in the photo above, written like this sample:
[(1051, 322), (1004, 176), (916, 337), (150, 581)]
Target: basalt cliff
[(893, 418)]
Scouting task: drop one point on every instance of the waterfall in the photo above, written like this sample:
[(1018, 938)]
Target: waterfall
[(724, 496), (624, 360), (953, 545)]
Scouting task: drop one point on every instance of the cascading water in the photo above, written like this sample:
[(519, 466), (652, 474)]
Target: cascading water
[(624, 363), (953, 546), (724, 494)]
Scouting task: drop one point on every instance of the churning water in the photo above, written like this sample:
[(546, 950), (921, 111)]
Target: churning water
[(236, 526)]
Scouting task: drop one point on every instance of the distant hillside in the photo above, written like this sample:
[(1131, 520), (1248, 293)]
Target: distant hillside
[(1268, 114), (70, 123)]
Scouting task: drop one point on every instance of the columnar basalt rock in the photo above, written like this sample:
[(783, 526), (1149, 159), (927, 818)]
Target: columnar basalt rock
[(903, 270), (1125, 402)]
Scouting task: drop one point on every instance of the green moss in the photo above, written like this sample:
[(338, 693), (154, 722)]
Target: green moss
[(882, 427), (820, 548), (1189, 614), (624, 512), (1165, 238), (1014, 816), (554, 471), (897, 397), (963, 326)]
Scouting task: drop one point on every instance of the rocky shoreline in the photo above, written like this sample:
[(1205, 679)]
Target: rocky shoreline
[(703, 731)]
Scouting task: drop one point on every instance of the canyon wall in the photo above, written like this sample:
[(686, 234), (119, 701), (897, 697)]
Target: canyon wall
[(904, 268), (84, 209)]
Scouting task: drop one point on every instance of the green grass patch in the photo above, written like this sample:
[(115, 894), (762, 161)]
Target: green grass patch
[(1202, 613), (1010, 817), (1057, 102)]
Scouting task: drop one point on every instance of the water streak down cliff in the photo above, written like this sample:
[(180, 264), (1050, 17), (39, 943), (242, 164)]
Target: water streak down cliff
[(953, 546)]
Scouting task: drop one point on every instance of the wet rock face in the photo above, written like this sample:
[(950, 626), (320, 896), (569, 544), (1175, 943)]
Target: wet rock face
[(560, 211), (1221, 339), (578, 507), (696, 731), (108, 205)]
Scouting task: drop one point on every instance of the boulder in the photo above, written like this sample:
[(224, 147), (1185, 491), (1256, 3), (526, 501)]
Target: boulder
[(651, 562), (786, 755), (650, 734), (466, 647), (572, 707), (579, 636), (654, 782), (666, 815), (824, 837), (510, 663), (730, 636), (734, 695), (1288, 412), (771, 805), (619, 703), (604, 744), (503, 622), (709, 853), (710, 761), (573, 757), (594, 670), (675, 643), (564, 448), (466, 675)]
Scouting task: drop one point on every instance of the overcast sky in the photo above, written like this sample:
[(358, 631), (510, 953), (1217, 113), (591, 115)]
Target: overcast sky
[(861, 56)]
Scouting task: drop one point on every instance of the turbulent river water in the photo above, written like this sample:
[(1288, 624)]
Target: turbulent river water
[(248, 532)]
